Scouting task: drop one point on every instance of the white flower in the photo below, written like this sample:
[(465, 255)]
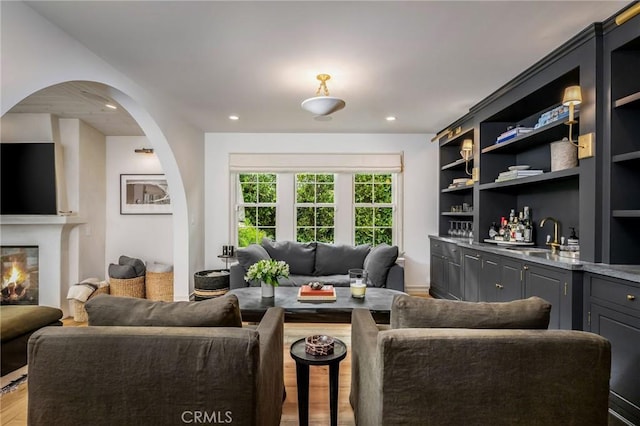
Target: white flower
[(268, 271)]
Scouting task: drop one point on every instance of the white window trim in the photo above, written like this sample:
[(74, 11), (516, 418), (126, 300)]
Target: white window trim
[(344, 165)]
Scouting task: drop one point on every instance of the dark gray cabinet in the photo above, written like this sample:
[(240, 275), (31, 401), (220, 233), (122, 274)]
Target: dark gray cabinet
[(445, 274), (489, 277), (555, 286), (612, 309)]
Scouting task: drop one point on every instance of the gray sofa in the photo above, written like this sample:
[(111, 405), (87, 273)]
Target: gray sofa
[(491, 364), (321, 262), (158, 373)]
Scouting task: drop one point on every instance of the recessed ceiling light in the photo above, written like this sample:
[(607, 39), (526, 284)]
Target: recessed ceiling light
[(390, 118), (112, 106), (234, 117)]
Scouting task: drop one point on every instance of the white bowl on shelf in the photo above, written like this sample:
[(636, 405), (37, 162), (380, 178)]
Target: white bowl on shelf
[(523, 167)]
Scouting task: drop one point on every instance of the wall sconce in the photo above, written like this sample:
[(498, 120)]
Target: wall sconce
[(143, 150), (466, 152), (572, 97)]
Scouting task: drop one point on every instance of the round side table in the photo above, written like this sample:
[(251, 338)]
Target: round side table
[(303, 361)]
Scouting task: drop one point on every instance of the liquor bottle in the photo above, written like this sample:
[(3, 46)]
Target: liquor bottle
[(528, 225), (519, 227), (504, 230)]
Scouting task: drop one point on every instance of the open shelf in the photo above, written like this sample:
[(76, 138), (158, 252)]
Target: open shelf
[(540, 136), (531, 180), (456, 164), (631, 101), (629, 156), (625, 213), (464, 214), (460, 189)]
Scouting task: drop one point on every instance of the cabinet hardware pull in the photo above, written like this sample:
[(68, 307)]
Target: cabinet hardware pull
[(565, 289), (631, 297), (521, 275), (499, 287)]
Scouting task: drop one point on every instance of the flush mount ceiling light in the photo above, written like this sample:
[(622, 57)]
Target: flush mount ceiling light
[(103, 100), (323, 105)]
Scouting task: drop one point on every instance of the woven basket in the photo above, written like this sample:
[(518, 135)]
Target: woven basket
[(77, 307), (131, 287), (159, 286)]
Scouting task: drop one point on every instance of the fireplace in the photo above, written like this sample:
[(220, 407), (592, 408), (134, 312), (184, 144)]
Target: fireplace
[(19, 269)]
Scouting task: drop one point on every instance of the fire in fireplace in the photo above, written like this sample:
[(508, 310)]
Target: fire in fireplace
[(19, 271)]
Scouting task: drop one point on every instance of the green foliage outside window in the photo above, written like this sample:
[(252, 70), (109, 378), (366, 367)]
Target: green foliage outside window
[(373, 220), (314, 219), (255, 219)]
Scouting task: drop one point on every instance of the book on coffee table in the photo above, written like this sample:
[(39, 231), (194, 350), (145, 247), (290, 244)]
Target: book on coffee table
[(326, 293)]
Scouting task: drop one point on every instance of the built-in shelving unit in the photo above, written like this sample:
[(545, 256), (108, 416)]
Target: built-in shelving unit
[(622, 60), (453, 166)]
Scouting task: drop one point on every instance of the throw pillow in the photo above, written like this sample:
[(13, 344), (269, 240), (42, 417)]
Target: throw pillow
[(378, 262), (251, 254), (418, 312), (122, 272), (137, 264), (337, 259), (108, 310), (301, 257)]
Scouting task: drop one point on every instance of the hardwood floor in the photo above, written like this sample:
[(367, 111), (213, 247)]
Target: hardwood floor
[(13, 411)]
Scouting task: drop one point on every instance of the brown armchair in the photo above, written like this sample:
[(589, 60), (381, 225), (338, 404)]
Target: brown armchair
[(476, 376)]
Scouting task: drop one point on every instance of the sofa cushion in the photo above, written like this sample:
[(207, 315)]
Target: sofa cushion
[(378, 262), (130, 311), (335, 259), (251, 254), (417, 312), (17, 320), (301, 257)]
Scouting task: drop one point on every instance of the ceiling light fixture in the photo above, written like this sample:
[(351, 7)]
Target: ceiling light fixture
[(143, 150), (390, 118), (112, 106), (234, 117), (323, 105)]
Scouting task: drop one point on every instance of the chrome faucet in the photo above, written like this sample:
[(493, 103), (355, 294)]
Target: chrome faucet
[(555, 244)]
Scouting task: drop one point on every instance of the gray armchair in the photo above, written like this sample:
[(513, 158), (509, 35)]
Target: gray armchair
[(457, 376), (157, 375)]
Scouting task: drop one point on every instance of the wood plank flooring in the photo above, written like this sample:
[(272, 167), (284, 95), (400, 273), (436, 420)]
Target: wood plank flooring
[(13, 405)]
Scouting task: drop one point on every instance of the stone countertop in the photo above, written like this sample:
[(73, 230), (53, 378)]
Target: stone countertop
[(544, 257)]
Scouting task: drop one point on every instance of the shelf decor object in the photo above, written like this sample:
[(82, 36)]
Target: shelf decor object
[(323, 105)]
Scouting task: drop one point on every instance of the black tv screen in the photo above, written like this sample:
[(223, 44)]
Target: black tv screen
[(28, 174)]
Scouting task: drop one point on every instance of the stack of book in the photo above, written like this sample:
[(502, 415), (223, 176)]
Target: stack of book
[(512, 133), (517, 174), (326, 293)]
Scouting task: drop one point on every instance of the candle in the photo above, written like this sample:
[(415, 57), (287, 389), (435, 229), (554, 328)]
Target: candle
[(358, 289)]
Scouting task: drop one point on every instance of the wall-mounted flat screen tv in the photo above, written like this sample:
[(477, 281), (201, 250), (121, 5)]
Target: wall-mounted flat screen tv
[(28, 178)]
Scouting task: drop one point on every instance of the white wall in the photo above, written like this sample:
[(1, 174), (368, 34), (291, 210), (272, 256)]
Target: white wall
[(420, 185), (84, 164), (36, 54), (147, 237)]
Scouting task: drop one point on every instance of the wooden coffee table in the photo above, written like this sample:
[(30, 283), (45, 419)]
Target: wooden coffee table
[(377, 300)]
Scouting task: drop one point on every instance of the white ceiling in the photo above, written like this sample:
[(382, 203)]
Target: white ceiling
[(425, 62)]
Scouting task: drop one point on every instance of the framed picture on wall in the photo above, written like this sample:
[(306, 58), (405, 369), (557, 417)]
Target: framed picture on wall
[(144, 194)]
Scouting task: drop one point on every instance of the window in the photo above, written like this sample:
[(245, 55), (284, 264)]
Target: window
[(373, 208), (315, 207), (257, 197)]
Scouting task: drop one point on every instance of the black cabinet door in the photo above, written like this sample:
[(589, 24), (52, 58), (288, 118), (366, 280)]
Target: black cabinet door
[(455, 279), (439, 275), (623, 331), (489, 282), (553, 286), (511, 275), (471, 274)]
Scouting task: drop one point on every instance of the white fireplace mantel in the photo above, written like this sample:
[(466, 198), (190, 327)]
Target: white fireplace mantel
[(51, 234)]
